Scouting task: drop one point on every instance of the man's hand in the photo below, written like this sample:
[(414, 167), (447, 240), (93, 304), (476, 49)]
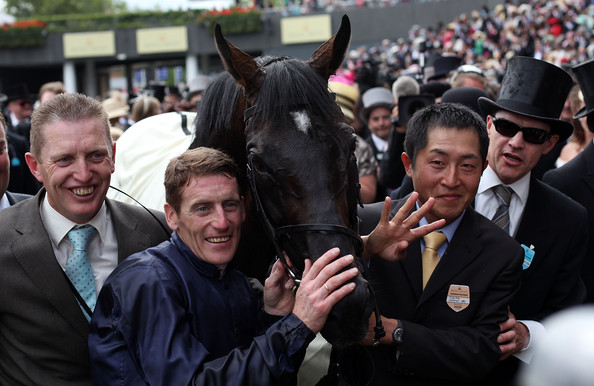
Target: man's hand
[(278, 297), (513, 338), (389, 327), (322, 286), (390, 238)]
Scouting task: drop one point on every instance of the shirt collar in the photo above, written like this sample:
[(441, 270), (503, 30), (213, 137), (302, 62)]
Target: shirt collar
[(447, 230), (205, 269), (4, 203), (521, 187), (380, 144), (58, 226)]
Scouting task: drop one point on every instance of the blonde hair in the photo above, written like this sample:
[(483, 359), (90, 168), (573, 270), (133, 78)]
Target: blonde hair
[(144, 107), (67, 107)]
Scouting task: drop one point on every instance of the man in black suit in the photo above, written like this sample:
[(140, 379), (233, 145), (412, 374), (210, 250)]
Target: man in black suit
[(552, 228), (442, 326), (44, 311), (18, 125), (6, 198), (576, 178)]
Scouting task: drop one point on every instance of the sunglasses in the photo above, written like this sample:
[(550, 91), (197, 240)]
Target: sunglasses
[(531, 134)]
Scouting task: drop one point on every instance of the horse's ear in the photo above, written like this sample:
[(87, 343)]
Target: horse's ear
[(329, 56), (240, 65)]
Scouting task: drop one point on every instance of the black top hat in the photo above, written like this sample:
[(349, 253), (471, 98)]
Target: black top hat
[(408, 105), (435, 88), (536, 89), (18, 91), (584, 74), (467, 96), (442, 66)]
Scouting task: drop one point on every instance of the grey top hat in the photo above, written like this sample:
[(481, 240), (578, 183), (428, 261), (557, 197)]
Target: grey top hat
[(584, 74), (198, 84), (536, 89), (374, 98)]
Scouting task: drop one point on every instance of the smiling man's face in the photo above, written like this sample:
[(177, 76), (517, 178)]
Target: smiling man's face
[(209, 218), (448, 169)]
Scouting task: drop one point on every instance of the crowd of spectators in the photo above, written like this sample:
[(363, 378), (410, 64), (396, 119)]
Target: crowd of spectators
[(559, 32)]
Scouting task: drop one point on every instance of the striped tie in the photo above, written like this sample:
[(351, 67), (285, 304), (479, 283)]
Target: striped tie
[(501, 217)]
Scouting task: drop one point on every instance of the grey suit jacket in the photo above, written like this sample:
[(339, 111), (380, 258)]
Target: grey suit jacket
[(43, 332), (15, 198)]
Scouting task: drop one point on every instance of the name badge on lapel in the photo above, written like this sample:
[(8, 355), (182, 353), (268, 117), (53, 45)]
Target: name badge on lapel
[(458, 297), (528, 256)]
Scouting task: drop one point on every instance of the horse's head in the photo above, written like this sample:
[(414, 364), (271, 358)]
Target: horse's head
[(302, 169)]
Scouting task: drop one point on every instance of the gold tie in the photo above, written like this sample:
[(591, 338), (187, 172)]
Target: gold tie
[(430, 257)]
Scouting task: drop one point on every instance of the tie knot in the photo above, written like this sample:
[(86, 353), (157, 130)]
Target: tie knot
[(81, 237), (434, 240), (504, 193)]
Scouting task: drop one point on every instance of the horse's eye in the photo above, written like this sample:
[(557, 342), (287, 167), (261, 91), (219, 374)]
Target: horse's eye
[(259, 165)]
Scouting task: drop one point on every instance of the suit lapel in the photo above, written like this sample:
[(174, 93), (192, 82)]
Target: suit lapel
[(34, 252), (413, 268), (130, 238), (463, 248), (531, 229)]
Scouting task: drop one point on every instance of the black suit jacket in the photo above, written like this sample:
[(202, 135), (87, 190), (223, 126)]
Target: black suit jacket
[(21, 179), (556, 226), (441, 346), (576, 180), (43, 332)]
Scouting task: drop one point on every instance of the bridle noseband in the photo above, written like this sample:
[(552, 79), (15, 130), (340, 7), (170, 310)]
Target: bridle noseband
[(275, 234)]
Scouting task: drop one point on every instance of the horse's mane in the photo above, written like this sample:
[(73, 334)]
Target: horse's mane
[(214, 120)]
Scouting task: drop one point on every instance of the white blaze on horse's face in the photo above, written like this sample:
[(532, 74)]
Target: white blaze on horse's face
[(302, 121)]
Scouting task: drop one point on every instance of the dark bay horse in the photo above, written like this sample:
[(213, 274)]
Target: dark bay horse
[(284, 126)]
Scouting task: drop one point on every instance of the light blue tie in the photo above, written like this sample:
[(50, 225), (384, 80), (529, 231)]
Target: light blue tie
[(78, 266)]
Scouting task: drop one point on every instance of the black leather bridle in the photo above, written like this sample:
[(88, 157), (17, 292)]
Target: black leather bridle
[(275, 234)]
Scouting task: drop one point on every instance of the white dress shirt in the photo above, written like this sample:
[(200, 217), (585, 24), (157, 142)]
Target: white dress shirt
[(102, 250), (486, 201), (380, 144)]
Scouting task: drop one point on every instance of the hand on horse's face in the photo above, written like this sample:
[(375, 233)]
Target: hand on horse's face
[(322, 286), (278, 294), (390, 238)]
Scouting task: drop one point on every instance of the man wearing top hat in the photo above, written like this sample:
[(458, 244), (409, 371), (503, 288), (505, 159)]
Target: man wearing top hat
[(576, 178), (19, 108), (523, 124), (377, 115), (18, 125)]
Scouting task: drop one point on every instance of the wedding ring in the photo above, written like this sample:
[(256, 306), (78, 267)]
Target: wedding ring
[(327, 289)]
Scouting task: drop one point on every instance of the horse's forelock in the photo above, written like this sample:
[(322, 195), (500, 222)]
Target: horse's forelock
[(290, 85)]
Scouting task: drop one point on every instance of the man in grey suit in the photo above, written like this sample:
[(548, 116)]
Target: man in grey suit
[(44, 303), (6, 198)]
